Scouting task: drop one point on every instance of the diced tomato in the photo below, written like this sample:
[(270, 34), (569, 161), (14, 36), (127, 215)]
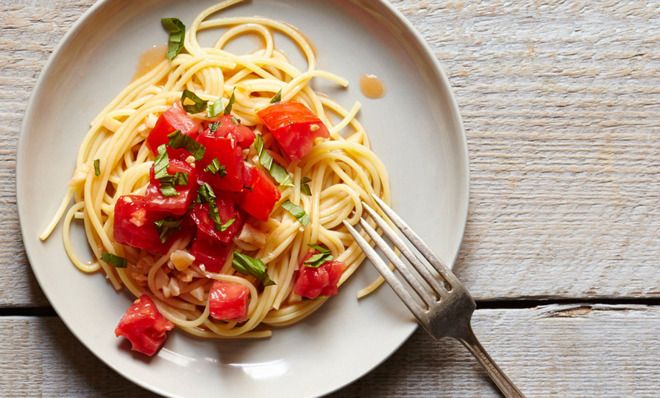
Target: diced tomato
[(321, 281), (207, 228), (175, 205), (134, 224), (175, 118), (230, 157), (260, 194), (211, 254), (144, 326), (294, 127), (227, 127), (228, 301)]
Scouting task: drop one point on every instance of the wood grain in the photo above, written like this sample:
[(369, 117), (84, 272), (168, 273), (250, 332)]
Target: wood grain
[(561, 104), (552, 351)]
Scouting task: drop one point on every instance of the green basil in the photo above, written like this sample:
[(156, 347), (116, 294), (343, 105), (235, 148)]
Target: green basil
[(198, 104), (114, 260), (177, 31), (251, 266), (179, 140), (297, 212)]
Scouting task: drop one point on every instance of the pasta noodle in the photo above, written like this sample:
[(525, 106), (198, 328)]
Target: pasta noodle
[(342, 170)]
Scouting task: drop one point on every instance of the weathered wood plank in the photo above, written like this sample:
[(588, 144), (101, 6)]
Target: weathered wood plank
[(561, 102), (553, 351)]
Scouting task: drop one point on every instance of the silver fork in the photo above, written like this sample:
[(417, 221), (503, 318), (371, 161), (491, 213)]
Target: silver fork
[(442, 306)]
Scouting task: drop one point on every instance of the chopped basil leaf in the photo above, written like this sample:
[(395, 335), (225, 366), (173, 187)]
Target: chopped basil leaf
[(228, 224), (114, 260), (279, 173), (235, 120), (198, 104), (251, 266), (179, 140), (319, 248), (161, 163), (304, 186), (216, 168), (177, 31), (167, 181), (297, 212), (214, 126), (97, 167), (215, 108), (323, 256), (207, 196), (206, 193), (166, 226), (277, 98), (230, 104), (168, 190)]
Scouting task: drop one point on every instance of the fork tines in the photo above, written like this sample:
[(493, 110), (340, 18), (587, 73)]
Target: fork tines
[(429, 289)]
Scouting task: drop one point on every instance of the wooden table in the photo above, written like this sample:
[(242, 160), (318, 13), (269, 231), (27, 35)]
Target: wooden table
[(561, 103)]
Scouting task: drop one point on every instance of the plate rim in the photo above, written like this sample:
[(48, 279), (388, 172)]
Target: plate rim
[(71, 34)]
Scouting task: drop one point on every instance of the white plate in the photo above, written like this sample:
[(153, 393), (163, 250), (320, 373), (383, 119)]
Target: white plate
[(415, 129)]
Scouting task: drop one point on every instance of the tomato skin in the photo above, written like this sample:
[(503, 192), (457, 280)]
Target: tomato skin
[(243, 135), (294, 127), (175, 118), (134, 225), (322, 281), (144, 326), (229, 154), (206, 226), (172, 205), (228, 301), (260, 194), (209, 253)]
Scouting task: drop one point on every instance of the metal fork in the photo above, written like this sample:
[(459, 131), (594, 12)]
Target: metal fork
[(442, 306)]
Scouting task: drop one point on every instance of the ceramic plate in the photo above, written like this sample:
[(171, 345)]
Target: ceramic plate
[(415, 129)]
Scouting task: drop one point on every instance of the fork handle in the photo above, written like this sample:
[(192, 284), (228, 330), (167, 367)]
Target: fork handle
[(503, 383)]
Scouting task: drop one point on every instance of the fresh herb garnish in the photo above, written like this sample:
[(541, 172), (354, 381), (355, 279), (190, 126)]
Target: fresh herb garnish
[(322, 256), (197, 105), (277, 98), (177, 31), (114, 260), (97, 167), (228, 224), (166, 226), (161, 163), (206, 195), (297, 212), (179, 140), (304, 186), (180, 178), (279, 173), (230, 104), (168, 182), (216, 168), (251, 266), (214, 126), (215, 108)]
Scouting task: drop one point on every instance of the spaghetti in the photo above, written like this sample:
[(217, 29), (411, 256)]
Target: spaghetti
[(328, 184)]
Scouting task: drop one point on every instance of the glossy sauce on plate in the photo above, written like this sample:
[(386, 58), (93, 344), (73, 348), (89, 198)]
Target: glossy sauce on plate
[(371, 86)]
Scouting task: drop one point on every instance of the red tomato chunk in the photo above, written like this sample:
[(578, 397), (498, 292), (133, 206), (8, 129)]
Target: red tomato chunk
[(210, 254), (144, 326), (294, 127), (260, 194), (206, 228), (230, 157), (229, 301), (174, 205), (321, 281), (134, 225), (171, 120), (226, 127)]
